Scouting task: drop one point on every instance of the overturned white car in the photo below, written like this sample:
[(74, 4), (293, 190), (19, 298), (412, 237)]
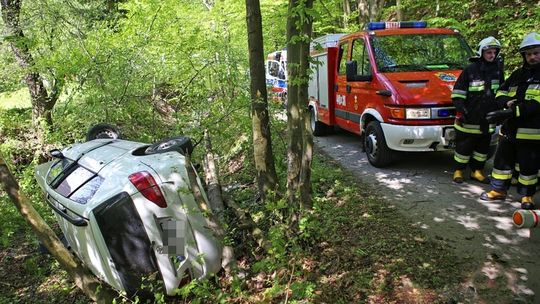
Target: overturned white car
[(128, 212)]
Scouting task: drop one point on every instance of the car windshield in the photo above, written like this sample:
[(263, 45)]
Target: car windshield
[(425, 52)]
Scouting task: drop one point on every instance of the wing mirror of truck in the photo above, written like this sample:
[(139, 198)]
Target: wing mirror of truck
[(351, 70)]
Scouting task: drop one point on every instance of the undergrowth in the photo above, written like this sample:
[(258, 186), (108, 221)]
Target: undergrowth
[(353, 246)]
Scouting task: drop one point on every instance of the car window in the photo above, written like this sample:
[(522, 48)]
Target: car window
[(73, 181), (58, 168), (342, 58), (87, 191), (360, 54)]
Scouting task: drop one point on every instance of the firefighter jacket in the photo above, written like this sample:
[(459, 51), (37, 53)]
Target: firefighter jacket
[(523, 86), (474, 95)]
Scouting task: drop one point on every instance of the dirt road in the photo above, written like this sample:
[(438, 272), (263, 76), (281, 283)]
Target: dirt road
[(420, 185)]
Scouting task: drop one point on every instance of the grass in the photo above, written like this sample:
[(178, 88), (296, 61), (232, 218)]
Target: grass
[(15, 99)]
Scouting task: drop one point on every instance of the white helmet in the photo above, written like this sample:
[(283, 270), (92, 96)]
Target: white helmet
[(488, 43), (530, 41)]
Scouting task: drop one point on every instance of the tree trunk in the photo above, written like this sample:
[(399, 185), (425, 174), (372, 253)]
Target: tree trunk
[(399, 12), (212, 220), (363, 12), (370, 10), (307, 147), (82, 277), (262, 141), (42, 102), (211, 175), (298, 37)]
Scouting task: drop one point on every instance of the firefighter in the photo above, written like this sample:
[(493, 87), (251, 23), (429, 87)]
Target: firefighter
[(474, 96), (520, 94)]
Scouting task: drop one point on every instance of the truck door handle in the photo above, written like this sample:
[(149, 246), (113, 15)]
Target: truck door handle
[(348, 88), (335, 87), (384, 93)]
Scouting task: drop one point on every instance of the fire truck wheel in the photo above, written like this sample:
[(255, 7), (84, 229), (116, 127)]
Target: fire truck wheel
[(377, 152), (317, 127)]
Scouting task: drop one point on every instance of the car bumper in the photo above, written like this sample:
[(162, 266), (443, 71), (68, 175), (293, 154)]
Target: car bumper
[(418, 138)]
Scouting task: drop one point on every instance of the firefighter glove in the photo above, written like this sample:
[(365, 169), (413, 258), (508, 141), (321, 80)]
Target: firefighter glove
[(499, 115)]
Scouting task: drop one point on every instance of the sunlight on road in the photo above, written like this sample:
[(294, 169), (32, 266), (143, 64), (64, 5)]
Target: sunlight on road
[(391, 182), (468, 222)]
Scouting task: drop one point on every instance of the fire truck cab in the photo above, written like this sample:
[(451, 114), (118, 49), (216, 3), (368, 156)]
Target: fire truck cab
[(390, 84)]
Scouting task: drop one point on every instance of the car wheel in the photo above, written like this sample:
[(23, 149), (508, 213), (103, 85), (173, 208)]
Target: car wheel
[(102, 131), (181, 144), (377, 152), (318, 128)]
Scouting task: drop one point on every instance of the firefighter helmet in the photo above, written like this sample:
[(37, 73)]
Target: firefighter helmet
[(489, 43), (530, 41)]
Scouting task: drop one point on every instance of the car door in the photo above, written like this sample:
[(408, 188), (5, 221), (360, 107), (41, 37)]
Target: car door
[(361, 90), (341, 111)]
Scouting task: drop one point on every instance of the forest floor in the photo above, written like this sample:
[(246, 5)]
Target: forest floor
[(503, 263)]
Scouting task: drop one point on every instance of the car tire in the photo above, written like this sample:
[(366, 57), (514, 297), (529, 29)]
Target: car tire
[(318, 128), (377, 152), (102, 130), (181, 144)]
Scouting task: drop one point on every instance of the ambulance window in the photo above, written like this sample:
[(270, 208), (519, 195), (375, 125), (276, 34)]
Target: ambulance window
[(272, 68), (342, 58), (360, 54)]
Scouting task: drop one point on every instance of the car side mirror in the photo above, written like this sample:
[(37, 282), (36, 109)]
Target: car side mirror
[(351, 70), (55, 153)]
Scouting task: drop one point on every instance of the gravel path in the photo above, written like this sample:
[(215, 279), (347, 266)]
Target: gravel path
[(420, 185)]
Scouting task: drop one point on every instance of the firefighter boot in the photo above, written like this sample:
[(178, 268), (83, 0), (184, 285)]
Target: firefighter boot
[(477, 175), (493, 195), (458, 176), (527, 203)]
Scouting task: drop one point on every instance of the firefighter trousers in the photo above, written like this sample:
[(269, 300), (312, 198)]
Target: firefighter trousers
[(471, 149), (526, 155)]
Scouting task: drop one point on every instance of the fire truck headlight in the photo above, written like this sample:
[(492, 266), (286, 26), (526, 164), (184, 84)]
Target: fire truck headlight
[(418, 113), (397, 113)]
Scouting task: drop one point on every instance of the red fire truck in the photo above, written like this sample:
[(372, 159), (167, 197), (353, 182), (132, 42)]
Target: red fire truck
[(390, 84)]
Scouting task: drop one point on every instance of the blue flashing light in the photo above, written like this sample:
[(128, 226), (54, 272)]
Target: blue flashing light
[(414, 24), (389, 25), (443, 113), (376, 26)]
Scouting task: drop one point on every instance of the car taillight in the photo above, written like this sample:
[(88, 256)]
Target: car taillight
[(146, 184)]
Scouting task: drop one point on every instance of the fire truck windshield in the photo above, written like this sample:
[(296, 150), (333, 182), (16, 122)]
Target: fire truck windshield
[(420, 52)]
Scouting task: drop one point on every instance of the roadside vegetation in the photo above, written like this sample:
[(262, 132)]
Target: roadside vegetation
[(353, 247), (163, 68)]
